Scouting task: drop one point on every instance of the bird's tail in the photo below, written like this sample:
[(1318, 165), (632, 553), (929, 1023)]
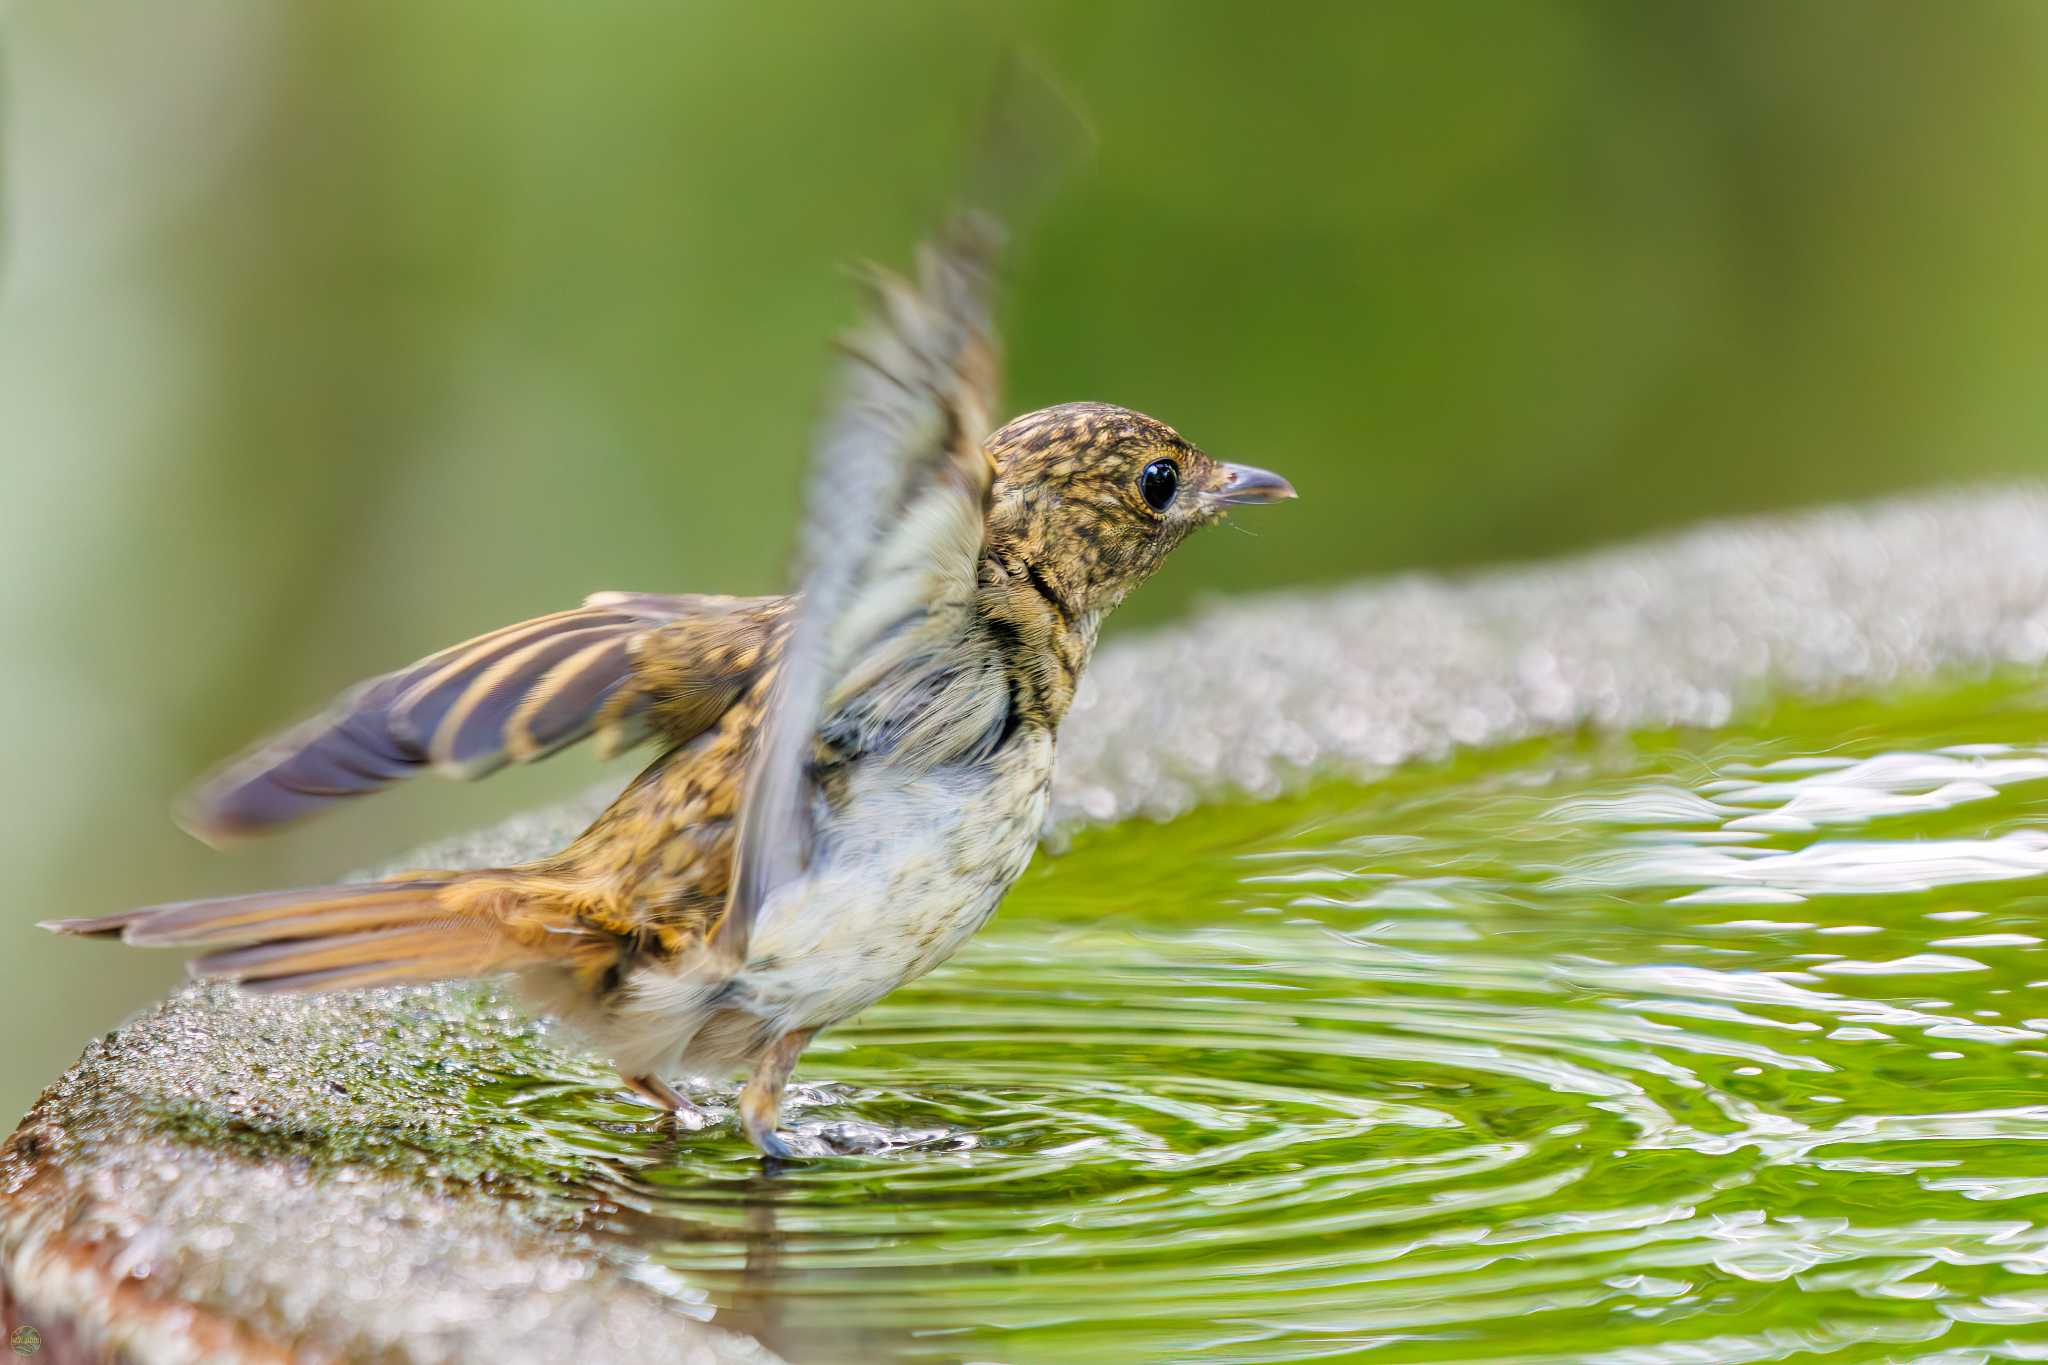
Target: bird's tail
[(432, 927)]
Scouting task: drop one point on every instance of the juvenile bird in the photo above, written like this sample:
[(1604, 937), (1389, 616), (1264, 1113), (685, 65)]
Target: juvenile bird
[(850, 777)]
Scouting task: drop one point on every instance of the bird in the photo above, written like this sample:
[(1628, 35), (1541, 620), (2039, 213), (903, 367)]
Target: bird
[(849, 777)]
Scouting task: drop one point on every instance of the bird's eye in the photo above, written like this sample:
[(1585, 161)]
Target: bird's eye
[(1158, 484)]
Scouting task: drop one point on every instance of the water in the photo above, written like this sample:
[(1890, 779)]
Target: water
[(1706, 1046)]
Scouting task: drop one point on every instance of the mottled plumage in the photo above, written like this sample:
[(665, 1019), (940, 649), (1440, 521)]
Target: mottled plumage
[(849, 778)]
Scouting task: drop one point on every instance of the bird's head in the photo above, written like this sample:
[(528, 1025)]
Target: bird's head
[(1089, 498)]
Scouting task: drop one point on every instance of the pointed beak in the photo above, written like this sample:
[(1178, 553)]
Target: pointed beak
[(1244, 483)]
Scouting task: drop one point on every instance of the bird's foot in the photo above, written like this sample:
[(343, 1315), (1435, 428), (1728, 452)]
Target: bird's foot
[(667, 1098), (760, 1107), (761, 1099)]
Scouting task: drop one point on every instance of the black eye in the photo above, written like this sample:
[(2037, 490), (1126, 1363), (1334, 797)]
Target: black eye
[(1158, 483)]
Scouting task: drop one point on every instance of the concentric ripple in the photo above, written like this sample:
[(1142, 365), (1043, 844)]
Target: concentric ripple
[(1703, 1047)]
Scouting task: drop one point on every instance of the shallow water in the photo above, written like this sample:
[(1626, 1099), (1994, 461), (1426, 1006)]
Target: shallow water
[(1708, 1046)]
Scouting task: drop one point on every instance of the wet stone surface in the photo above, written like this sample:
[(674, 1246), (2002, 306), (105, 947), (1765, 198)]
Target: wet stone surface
[(428, 1175)]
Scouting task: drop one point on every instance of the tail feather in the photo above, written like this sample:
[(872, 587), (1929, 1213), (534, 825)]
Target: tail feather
[(314, 913), (351, 978), (327, 938), (426, 952)]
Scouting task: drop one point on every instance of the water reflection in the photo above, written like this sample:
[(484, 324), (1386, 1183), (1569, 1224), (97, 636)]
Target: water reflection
[(1475, 1064)]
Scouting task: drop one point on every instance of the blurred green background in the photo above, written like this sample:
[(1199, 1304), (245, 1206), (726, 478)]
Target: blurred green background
[(331, 333)]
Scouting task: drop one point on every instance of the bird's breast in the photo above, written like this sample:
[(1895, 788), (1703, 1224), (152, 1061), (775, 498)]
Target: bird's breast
[(903, 872)]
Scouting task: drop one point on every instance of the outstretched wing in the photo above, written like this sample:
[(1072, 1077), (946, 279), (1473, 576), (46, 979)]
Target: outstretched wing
[(623, 667), (891, 545)]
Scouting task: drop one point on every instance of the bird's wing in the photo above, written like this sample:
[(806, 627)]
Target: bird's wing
[(624, 667), (892, 537)]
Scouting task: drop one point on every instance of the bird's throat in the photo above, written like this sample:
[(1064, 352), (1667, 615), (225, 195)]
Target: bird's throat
[(1044, 643)]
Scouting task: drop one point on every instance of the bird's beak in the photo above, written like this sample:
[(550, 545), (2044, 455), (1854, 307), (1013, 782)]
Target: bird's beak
[(1244, 483)]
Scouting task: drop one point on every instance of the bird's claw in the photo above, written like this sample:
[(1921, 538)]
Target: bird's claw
[(761, 1100), (769, 1142)]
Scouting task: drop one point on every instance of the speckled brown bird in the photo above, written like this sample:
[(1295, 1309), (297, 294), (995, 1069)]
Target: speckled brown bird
[(850, 777)]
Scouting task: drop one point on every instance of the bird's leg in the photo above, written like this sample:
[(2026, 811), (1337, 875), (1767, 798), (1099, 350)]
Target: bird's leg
[(662, 1095), (761, 1100)]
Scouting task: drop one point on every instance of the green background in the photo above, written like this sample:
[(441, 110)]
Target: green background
[(331, 333)]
